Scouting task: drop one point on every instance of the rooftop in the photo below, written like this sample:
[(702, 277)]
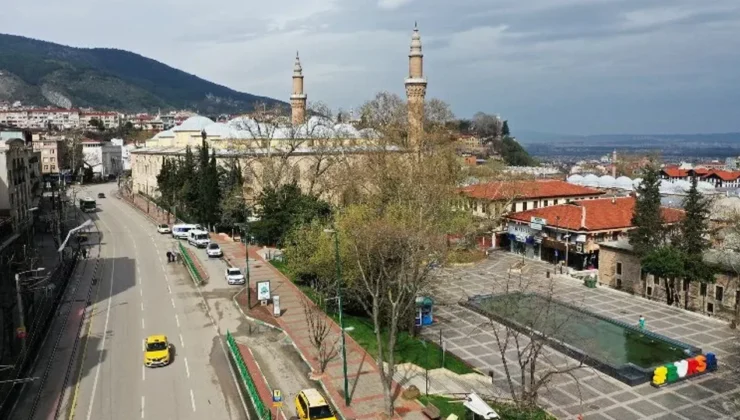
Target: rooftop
[(502, 190), (592, 215)]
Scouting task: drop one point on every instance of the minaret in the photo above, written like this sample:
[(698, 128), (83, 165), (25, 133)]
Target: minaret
[(298, 98), (416, 88)]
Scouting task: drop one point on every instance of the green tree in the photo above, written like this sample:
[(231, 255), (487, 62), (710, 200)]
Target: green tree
[(98, 124), (649, 233), (666, 262), (514, 154), (693, 239), (505, 129), (188, 176), (283, 209), (210, 192), (233, 206)]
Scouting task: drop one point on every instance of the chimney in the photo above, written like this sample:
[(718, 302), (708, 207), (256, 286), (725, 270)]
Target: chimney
[(583, 216)]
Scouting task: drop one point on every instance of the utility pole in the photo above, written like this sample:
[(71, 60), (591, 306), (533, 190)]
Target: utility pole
[(341, 317)]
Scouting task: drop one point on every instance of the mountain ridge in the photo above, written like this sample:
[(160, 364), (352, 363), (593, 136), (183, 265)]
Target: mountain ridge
[(45, 73)]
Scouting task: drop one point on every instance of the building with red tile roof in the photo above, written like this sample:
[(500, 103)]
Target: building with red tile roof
[(493, 200), (575, 228)]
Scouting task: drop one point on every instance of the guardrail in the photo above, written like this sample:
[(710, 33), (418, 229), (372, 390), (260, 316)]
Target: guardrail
[(190, 265), (263, 412)]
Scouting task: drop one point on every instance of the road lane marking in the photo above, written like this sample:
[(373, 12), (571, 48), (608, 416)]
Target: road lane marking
[(182, 342), (173, 302), (187, 368), (169, 289), (142, 324), (192, 398), (142, 406), (177, 319), (143, 372), (142, 306), (141, 292), (105, 329)]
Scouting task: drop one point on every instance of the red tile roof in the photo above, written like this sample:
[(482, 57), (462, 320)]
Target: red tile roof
[(724, 175), (673, 171), (592, 215), (545, 188)]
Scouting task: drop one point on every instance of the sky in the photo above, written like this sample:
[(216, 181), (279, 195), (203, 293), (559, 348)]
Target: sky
[(556, 66)]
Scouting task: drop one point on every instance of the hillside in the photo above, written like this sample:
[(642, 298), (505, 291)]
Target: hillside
[(44, 73)]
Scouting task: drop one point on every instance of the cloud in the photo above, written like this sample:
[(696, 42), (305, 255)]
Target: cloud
[(577, 66), (392, 4)]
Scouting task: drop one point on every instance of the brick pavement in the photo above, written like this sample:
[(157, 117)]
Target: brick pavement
[(364, 383)]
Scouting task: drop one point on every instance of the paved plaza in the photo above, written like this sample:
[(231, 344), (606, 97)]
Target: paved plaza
[(591, 393)]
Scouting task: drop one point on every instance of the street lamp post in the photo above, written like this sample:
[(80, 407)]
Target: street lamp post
[(21, 311), (69, 234), (341, 317), (246, 257)]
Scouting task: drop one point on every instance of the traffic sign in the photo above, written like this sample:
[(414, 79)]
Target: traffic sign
[(20, 332), (277, 398)]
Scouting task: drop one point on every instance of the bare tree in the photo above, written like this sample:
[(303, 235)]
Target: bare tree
[(320, 334), (524, 319)]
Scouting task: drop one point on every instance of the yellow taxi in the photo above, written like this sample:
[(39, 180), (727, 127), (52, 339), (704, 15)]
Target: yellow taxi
[(156, 351), (310, 405)]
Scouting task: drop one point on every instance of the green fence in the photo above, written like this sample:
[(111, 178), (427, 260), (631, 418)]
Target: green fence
[(263, 412), (190, 265)]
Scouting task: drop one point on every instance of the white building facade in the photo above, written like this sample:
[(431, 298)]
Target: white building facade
[(104, 158)]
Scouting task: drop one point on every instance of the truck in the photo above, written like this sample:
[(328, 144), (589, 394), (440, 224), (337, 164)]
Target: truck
[(88, 205)]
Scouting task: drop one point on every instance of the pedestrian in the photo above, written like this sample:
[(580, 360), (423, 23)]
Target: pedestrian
[(641, 322), (84, 252), (169, 257)]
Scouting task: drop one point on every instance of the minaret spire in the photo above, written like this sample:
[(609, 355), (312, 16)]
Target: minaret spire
[(298, 98), (416, 86)]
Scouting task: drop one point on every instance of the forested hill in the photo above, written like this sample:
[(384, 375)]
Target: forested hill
[(44, 73)]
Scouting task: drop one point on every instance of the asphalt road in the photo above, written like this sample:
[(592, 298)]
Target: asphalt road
[(141, 294)]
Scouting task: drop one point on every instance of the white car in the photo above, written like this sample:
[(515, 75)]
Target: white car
[(214, 251), (163, 228), (234, 276)]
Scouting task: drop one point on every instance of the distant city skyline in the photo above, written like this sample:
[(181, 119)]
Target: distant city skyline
[(568, 66)]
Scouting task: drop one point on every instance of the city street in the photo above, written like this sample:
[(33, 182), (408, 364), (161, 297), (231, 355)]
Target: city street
[(140, 294)]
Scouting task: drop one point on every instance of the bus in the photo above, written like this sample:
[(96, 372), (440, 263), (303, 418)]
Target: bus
[(88, 205)]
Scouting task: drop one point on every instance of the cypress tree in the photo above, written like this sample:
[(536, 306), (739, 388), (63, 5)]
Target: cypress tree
[(693, 238), (188, 178), (648, 233)]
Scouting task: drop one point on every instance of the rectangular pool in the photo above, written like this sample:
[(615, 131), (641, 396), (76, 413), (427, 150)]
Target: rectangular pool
[(618, 349)]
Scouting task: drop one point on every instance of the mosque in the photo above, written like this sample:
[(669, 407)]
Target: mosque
[(256, 141)]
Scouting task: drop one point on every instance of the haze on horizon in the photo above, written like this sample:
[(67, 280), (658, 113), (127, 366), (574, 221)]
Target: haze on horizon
[(559, 66)]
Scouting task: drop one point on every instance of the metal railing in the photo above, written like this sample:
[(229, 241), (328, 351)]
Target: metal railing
[(192, 268), (264, 413)]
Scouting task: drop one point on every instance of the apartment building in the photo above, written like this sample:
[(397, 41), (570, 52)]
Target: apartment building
[(43, 118), (20, 181), (53, 152)]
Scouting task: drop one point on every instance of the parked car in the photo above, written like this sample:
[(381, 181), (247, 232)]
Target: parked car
[(163, 228), (234, 276), (101, 195), (311, 405), (214, 251)]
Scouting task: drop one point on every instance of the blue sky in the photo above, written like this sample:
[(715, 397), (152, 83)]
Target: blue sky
[(563, 66)]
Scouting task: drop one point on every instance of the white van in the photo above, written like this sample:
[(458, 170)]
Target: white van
[(198, 238), (181, 231)]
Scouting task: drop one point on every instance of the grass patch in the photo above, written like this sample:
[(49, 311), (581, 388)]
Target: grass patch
[(507, 411), (409, 349), (422, 353)]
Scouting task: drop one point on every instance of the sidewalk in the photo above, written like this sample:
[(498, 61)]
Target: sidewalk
[(364, 382)]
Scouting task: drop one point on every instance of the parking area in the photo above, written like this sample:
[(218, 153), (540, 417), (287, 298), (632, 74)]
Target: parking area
[(591, 393)]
